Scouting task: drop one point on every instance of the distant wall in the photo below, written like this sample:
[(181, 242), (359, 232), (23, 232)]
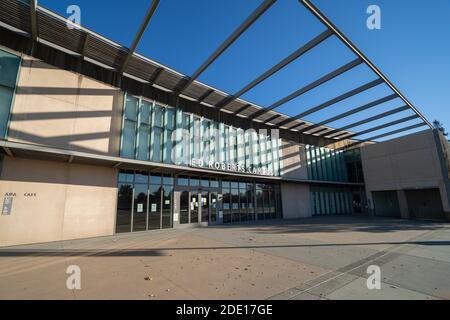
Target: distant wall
[(410, 162)]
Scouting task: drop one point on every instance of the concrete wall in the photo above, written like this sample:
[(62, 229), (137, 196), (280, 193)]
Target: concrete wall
[(296, 201), (65, 110), (410, 162), (55, 201), (294, 160)]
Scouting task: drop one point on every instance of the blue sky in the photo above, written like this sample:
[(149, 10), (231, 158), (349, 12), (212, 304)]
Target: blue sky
[(412, 49)]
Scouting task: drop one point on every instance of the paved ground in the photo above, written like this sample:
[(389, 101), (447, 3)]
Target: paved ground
[(318, 258)]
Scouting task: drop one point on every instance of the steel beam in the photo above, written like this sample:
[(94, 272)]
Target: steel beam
[(205, 95), (34, 22), (384, 135), (309, 87), (292, 57), (351, 112), (184, 83), (148, 16), (383, 126), (327, 22), (334, 101), (359, 123)]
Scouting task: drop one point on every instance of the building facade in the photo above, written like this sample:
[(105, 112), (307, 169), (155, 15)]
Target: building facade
[(82, 158)]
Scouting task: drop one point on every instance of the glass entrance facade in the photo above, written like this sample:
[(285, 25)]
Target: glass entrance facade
[(163, 134), (146, 201)]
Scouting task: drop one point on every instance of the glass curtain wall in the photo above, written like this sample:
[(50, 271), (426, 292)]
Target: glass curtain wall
[(9, 69), (144, 202), (246, 201), (148, 135), (331, 201)]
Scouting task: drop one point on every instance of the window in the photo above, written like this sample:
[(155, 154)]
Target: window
[(129, 127), (9, 68), (150, 133)]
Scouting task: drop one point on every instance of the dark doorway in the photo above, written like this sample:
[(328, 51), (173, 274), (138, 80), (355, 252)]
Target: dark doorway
[(386, 204), (425, 204)]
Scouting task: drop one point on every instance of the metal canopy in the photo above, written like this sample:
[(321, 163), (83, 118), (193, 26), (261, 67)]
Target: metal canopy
[(42, 25)]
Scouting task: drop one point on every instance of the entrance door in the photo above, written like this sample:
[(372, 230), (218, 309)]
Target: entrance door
[(205, 206), (213, 206), (184, 207), (195, 204)]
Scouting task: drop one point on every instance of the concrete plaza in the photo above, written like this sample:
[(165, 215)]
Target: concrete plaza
[(316, 258)]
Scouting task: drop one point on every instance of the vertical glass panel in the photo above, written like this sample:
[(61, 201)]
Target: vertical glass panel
[(243, 202), (232, 145), (226, 147), (195, 205), (143, 144), (235, 205), (154, 215), (251, 201), (131, 108), (129, 139), (140, 208), (6, 98), (213, 206), (263, 150), (276, 157), (205, 206), (184, 207), (168, 146), (124, 208), (167, 206), (9, 66), (241, 147), (206, 137), (170, 119), (145, 112), (157, 143), (259, 202), (255, 147), (226, 203), (158, 116)]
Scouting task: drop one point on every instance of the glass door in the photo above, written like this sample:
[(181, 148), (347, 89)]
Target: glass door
[(154, 215), (205, 206), (184, 207), (140, 208), (213, 206), (167, 195), (195, 205)]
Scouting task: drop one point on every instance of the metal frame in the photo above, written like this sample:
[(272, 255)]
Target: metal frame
[(333, 101), (33, 17), (148, 16), (286, 61), (353, 111), (184, 83), (337, 132), (309, 87), (315, 11), (160, 75), (383, 126), (384, 135)]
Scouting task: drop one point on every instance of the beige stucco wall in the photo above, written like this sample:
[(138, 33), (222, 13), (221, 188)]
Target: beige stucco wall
[(68, 201), (66, 110), (294, 160), (295, 200), (408, 162)]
